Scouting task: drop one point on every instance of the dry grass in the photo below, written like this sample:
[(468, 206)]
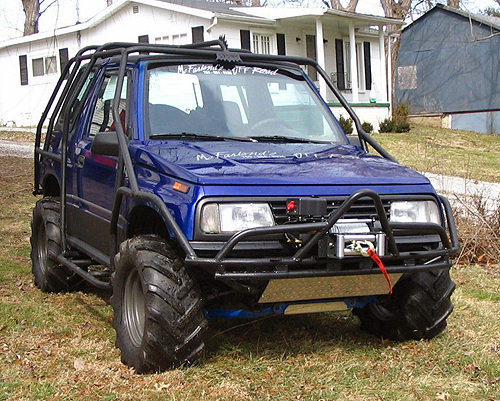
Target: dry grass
[(16, 135), (450, 152), (61, 346)]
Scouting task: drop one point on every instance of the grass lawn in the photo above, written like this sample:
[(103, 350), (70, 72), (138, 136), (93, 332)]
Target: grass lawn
[(61, 346), (450, 152)]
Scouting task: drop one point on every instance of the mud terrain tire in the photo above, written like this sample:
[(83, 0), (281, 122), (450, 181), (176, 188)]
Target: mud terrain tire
[(50, 275), (418, 309), (158, 309)]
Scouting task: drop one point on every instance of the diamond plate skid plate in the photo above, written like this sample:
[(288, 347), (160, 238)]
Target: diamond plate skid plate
[(302, 289), (315, 308)]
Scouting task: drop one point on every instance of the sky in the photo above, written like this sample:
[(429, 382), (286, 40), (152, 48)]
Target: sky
[(64, 13)]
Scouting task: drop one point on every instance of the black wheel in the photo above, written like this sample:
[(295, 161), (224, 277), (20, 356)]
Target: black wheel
[(418, 308), (158, 309), (50, 275)]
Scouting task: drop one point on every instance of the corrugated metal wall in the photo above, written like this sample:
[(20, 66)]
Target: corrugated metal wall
[(445, 65)]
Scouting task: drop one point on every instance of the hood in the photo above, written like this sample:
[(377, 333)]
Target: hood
[(249, 163)]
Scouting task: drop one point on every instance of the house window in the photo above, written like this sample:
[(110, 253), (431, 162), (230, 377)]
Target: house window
[(143, 39), (50, 65), (363, 67), (360, 68), (311, 53), (23, 69), (178, 39), (37, 64), (261, 43)]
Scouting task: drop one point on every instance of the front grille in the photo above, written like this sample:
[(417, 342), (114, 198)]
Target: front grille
[(362, 209)]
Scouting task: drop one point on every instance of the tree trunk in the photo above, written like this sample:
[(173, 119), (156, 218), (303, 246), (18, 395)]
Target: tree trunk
[(351, 7), (453, 3), (395, 9), (32, 11)]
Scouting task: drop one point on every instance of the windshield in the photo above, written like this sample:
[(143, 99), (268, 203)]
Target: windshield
[(244, 102)]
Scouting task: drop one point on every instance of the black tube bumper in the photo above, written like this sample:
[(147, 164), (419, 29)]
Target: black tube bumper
[(301, 264)]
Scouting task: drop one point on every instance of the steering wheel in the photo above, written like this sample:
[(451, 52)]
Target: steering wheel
[(269, 121)]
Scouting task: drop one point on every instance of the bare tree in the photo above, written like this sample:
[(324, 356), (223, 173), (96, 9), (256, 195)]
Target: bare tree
[(33, 9), (351, 7)]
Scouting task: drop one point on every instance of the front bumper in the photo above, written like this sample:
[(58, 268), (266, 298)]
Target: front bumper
[(303, 264)]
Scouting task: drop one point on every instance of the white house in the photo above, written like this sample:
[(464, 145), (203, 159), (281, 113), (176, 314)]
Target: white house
[(349, 46)]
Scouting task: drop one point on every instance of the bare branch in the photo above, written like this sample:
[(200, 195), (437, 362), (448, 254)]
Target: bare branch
[(41, 12)]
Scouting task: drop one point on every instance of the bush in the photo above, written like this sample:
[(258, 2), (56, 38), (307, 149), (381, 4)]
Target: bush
[(367, 127), (392, 125), (401, 126), (386, 125), (346, 124), (400, 113)]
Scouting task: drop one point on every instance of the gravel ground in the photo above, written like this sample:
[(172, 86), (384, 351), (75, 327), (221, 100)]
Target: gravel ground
[(462, 192), (17, 149)]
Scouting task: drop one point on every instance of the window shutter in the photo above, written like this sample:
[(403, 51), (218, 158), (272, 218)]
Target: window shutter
[(245, 39), (143, 39), (23, 69), (63, 59), (197, 33), (368, 65), (339, 55), (280, 38)]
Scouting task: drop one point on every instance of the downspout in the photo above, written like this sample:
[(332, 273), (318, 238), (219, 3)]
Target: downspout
[(215, 21)]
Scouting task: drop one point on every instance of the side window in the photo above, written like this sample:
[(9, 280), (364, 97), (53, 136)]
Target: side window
[(102, 118)]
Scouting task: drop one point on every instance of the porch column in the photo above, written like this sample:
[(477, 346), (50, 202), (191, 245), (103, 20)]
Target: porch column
[(382, 85), (389, 74), (320, 55), (354, 64)]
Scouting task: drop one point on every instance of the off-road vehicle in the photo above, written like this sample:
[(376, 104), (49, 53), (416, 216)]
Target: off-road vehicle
[(199, 182)]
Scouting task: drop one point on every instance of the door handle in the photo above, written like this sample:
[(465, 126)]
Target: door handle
[(80, 161)]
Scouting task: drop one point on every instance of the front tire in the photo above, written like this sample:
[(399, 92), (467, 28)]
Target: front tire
[(50, 275), (417, 309), (158, 309)]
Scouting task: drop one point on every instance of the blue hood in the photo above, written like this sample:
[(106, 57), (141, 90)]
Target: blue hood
[(248, 163)]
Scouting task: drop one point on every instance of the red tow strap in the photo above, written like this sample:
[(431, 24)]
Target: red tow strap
[(373, 255)]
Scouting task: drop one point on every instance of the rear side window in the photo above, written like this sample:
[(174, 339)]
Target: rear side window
[(102, 117)]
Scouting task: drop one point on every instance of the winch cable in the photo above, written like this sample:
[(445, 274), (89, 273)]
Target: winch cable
[(369, 251)]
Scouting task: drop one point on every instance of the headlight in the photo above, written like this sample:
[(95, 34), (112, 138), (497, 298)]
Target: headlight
[(415, 212), (219, 218)]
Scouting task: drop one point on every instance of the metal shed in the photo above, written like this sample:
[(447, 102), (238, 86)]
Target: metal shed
[(449, 66)]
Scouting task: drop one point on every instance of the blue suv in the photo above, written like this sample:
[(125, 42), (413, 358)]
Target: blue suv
[(198, 182)]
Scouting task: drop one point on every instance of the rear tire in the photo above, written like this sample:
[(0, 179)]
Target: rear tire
[(50, 275), (418, 308), (158, 309)]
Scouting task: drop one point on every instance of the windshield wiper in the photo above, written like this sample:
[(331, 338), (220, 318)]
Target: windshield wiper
[(282, 138), (195, 136)]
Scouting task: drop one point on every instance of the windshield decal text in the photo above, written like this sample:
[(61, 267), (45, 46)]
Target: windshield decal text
[(218, 70)]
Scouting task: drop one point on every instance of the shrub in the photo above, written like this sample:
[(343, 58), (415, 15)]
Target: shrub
[(386, 125), (401, 126), (346, 124), (400, 113), (367, 127), (393, 125)]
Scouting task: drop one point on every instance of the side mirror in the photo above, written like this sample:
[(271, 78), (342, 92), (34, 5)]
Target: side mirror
[(105, 143)]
